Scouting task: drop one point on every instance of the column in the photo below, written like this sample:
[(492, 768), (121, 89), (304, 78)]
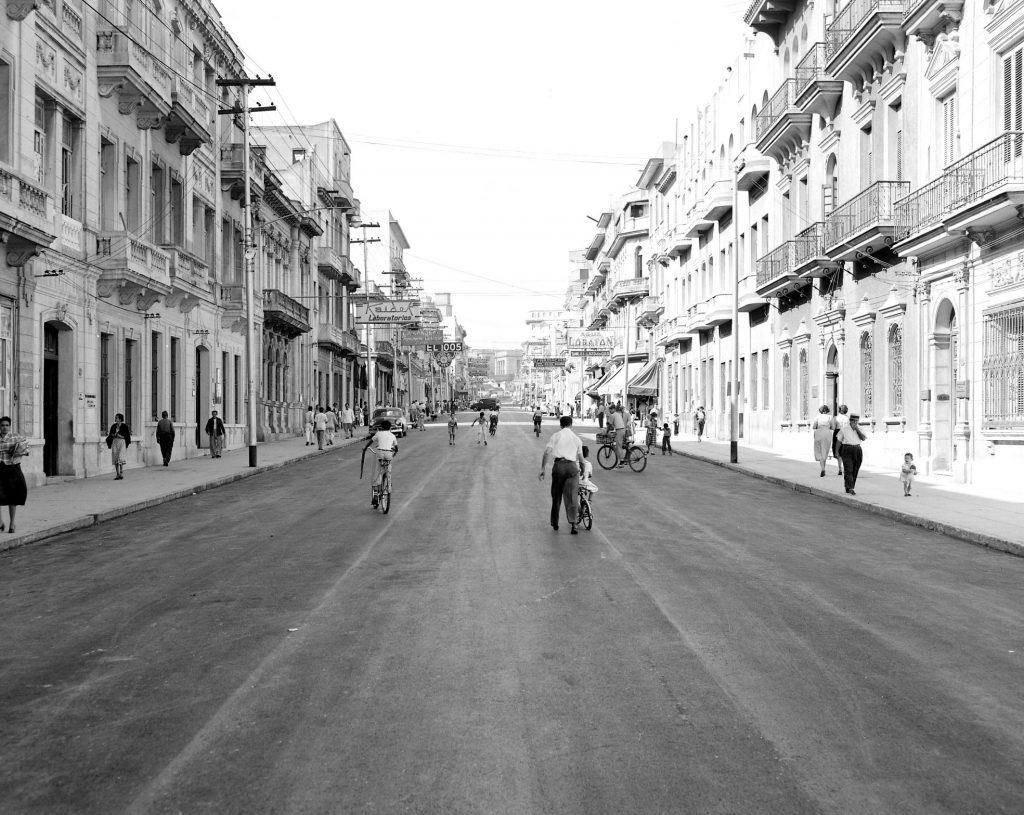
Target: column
[(962, 427)]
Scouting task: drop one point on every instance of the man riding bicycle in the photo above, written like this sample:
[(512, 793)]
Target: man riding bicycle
[(386, 448)]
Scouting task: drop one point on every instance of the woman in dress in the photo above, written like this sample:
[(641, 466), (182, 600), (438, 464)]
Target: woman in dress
[(13, 490), (118, 439), (824, 428)]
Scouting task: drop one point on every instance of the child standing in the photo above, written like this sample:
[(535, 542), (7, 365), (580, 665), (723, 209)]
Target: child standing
[(588, 471), (666, 439), (480, 420), (452, 424), (907, 473)]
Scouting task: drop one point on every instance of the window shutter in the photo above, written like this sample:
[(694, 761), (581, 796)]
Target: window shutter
[(1013, 112), (899, 155)]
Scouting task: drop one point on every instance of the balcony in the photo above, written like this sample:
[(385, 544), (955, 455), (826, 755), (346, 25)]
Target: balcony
[(592, 251), (285, 314), (337, 267), (626, 291), (188, 121), (142, 84), (696, 224), (928, 18), (750, 300), (697, 319), (677, 242), (754, 168), (231, 158), (775, 275), (335, 339), (770, 16), (865, 223), (717, 201), (26, 218), (781, 127), (190, 279), (651, 310), (816, 91), (863, 38), (138, 272), (670, 331), (340, 195), (595, 282), (972, 196), (809, 258), (629, 229), (719, 308)]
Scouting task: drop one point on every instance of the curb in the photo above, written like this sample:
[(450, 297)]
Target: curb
[(976, 538), (94, 519)]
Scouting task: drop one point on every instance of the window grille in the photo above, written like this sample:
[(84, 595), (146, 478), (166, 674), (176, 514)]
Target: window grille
[(804, 386), (866, 375), (105, 417), (787, 389), (1003, 368), (753, 381), (174, 378), (154, 377), (896, 370)]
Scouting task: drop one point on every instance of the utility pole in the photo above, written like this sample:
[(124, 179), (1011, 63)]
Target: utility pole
[(251, 344), (734, 407), (370, 373)]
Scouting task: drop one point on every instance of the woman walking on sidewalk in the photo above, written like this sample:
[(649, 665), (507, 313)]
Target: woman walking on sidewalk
[(118, 439), (824, 433), (13, 489)]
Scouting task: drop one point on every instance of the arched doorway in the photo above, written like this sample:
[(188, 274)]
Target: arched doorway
[(58, 399), (832, 379), (202, 394), (945, 340)]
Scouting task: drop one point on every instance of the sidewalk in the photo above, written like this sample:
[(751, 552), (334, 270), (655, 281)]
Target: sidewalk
[(82, 502), (958, 510)]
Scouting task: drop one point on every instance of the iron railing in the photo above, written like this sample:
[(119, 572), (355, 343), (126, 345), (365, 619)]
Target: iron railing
[(811, 68), (777, 263), (871, 206), (809, 244), (850, 19), (963, 183), (778, 105)]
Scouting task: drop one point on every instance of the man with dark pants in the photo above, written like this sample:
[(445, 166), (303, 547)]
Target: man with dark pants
[(566, 448), (849, 438), (165, 437)]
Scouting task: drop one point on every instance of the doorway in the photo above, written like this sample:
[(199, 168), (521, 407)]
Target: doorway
[(201, 394), (832, 380), (58, 400), (944, 380)]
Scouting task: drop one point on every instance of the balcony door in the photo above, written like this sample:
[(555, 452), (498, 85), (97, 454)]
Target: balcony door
[(201, 394)]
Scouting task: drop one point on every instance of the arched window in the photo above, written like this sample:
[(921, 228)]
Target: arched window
[(895, 343), (787, 389), (805, 400), (866, 375)]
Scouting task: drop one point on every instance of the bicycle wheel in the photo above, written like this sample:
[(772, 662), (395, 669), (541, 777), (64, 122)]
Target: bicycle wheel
[(606, 456), (385, 495), (586, 516), (636, 458)]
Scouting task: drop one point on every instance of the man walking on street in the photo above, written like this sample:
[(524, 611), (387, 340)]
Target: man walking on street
[(320, 426), (850, 437), (566, 448), (348, 419), (165, 437), (215, 431)]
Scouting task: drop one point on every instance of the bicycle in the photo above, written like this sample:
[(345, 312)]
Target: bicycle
[(586, 513), (380, 496), (608, 454)]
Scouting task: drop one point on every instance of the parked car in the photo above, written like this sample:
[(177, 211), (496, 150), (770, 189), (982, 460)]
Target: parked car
[(487, 403), (394, 415)]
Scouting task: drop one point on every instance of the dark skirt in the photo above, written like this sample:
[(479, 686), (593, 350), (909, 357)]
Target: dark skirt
[(13, 489), (652, 436)]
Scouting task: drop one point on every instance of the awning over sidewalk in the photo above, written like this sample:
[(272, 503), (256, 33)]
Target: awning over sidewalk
[(647, 381)]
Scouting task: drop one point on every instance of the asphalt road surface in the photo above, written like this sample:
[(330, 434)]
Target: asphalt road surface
[(716, 644)]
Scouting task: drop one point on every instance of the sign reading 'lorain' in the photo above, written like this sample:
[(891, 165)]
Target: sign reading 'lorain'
[(389, 311)]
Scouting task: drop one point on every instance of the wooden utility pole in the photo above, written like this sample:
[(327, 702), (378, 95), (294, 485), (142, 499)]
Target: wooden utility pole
[(251, 343)]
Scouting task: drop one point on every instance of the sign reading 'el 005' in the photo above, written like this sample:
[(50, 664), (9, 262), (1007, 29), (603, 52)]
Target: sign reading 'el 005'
[(446, 347)]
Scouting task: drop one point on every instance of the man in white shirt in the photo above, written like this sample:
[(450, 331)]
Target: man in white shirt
[(320, 426), (566, 448), (385, 447), (348, 418)]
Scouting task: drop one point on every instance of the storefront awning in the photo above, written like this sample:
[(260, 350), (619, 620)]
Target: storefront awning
[(612, 383), (646, 382)]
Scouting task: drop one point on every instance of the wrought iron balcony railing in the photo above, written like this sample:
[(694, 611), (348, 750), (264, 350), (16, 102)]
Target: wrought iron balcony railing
[(868, 208), (783, 99), (778, 263), (850, 19)]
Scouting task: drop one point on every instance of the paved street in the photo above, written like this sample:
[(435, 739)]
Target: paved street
[(716, 644)]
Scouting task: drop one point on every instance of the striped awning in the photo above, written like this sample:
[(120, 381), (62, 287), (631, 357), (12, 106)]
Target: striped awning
[(646, 382)]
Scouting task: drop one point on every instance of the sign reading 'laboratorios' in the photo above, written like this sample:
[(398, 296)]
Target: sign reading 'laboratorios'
[(389, 311)]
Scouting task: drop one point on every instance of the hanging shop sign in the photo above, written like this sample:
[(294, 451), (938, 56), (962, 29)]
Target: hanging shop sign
[(454, 347), (583, 343), (423, 338), (388, 312), (444, 358), (549, 362), (430, 314)]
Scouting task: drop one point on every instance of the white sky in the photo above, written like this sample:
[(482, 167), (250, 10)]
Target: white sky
[(491, 131)]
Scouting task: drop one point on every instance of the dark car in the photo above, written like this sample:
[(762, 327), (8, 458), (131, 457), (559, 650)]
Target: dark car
[(394, 415), (487, 403)]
